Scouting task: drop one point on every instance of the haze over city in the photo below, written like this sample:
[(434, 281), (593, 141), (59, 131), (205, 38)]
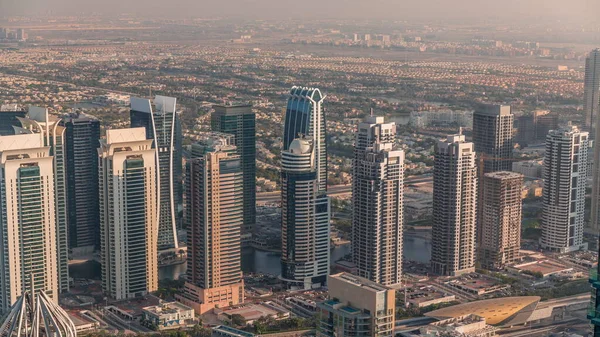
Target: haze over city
[(333, 168), (452, 10)]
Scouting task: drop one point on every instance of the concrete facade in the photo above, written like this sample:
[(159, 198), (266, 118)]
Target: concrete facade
[(128, 214), (454, 207)]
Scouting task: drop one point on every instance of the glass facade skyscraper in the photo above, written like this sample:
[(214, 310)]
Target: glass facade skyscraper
[(304, 116), (305, 219), (161, 122), (240, 121), (305, 206), (82, 139)]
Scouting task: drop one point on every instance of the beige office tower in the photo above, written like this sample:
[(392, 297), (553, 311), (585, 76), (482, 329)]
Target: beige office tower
[(128, 214), (565, 180), (454, 207), (377, 189), (27, 219), (214, 208), (356, 307), (501, 219), (39, 121)]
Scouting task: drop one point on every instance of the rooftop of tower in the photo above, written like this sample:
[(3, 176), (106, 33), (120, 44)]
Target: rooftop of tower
[(494, 110), (361, 282), (312, 93), (504, 175)]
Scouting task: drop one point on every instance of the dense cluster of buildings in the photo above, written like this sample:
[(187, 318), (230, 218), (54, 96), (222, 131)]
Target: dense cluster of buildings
[(9, 35), (66, 188)]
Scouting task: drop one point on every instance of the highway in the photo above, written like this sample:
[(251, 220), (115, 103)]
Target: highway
[(336, 190)]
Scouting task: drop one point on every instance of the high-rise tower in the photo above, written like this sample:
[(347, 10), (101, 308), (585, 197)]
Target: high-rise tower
[(160, 118), (82, 139), (304, 202), (304, 116), (493, 136), (454, 207), (28, 245), (129, 227), (591, 93), (493, 141), (215, 215), (565, 178), (377, 199), (591, 108), (501, 219), (38, 121), (240, 121), (305, 218)]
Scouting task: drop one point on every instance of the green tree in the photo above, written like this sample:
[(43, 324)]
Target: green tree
[(238, 320)]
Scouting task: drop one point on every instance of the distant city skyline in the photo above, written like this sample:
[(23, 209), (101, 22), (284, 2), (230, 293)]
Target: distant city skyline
[(576, 10)]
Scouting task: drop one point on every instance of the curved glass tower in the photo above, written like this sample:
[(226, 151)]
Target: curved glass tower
[(161, 122), (304, 116), (304, 201)]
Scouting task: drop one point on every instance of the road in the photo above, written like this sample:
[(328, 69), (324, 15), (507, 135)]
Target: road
[(336, 190)]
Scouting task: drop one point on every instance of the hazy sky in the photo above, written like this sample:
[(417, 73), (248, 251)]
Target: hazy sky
[(572, 10)]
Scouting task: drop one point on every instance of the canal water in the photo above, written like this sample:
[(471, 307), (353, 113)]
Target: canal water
[(415, 249)]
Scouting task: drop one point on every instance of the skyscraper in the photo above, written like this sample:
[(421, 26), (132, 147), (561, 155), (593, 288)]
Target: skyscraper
[(239, 120), (215, 217), (533, 128), (501, 219), (304, 116), (493, 136), (47, 127), (493, 141), (454, 207), (565, 179), (128, 228), (82, 139), (9, 114), (160, 120), (591, 93), (377, 199), (27, 218), (591, 108), (304, 202), (305, 218)]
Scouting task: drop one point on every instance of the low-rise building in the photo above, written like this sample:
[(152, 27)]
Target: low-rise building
[(84, 323), (463, 326), (171, 315), (253, 312), (530, 168), (356, 307), (425, 296)]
